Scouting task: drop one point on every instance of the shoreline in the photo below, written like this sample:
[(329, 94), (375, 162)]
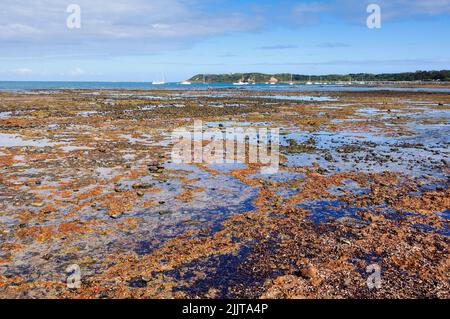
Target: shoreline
[(30, 86)]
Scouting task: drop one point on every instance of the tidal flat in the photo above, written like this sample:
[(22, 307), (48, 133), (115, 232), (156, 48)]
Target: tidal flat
[(87, 179)]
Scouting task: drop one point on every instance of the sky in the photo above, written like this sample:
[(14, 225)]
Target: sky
[(142, 40)]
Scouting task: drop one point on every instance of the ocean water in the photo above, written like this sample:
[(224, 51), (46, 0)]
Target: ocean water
[(44, 85)]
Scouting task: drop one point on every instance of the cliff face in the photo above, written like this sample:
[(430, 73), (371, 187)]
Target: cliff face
[(443, 75)]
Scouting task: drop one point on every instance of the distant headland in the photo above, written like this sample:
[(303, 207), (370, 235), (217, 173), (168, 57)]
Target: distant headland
[(424, 76)]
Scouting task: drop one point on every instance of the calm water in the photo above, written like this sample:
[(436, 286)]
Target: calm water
[(38, 85)]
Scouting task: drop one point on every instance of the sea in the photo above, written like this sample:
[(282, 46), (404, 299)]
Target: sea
[(48, 85)]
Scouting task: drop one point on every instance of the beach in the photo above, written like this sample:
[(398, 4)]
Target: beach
[(88, 179)]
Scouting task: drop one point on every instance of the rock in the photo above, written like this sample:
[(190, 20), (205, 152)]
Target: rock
[(47, 256), (347, 282), (204, 232), (37, 204), (140, 193), (142, 186), (309, 272), (322, 171), (137, 282), (155, 168), (193, 222), (351, 222), (372, 217), (102, 295), (344, 240)]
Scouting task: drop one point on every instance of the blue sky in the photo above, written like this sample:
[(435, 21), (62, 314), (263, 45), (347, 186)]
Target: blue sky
[(138, 40)]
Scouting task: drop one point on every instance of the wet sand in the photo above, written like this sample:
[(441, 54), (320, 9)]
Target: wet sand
[(87, 179)]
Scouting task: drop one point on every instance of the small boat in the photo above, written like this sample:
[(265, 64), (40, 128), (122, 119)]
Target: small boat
[(186, 83), (158, 82), (319, 83), (292, 82), (241, 82)]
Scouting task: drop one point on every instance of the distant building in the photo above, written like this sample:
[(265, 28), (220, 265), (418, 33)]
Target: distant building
[(273, 80)]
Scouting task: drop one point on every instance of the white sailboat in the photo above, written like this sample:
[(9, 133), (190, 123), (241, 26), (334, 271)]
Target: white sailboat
[(158, 82), (309, 81), (241, 82), (320, 82), (291, 82)]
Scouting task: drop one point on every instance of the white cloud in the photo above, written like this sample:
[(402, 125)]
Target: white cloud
[(418, 7), (355, 10), (17, 30), (392, 9), (114, 26), (306, 13), (129, 27), (77, 72), (160, 26), (22, 71)]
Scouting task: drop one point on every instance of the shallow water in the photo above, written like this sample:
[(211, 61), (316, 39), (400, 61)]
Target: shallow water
[(369, 152), (13, 140), (296, 98)]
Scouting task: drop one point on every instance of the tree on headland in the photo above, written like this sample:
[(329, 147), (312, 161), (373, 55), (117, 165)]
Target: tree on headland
[(432, 76)]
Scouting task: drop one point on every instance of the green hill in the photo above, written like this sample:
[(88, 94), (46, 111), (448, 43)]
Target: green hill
[(443, 75)]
